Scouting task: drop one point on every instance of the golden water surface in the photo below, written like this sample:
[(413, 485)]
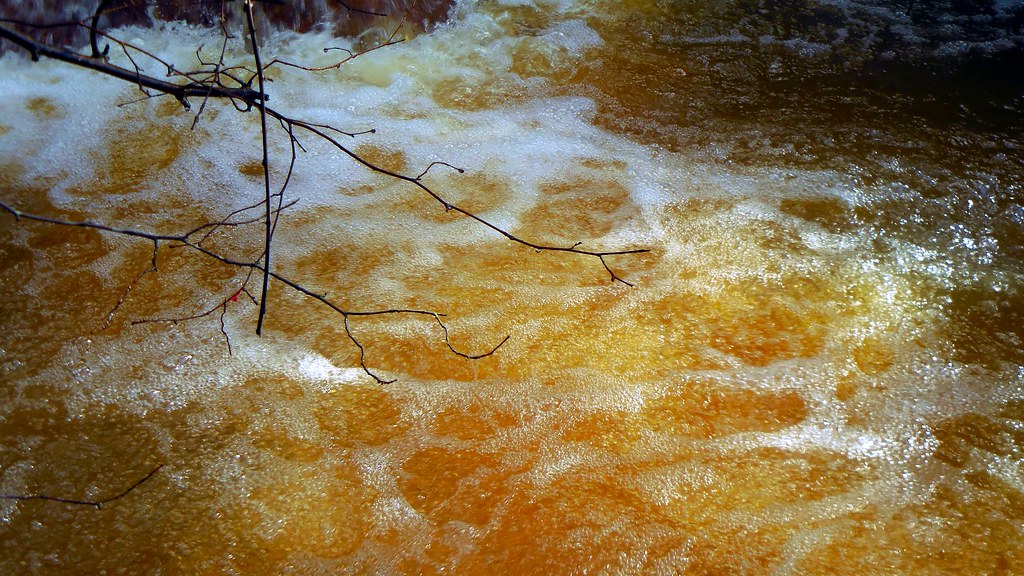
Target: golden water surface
[(818, 370)]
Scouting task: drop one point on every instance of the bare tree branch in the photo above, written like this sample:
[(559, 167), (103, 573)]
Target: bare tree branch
[(448, 206), (358, 10), (223, 307), (391, 41), (179, 91), (124, 295), (438, 163), (98, 504), (252, 98), (266, 168), (185, 240), (216, 80)]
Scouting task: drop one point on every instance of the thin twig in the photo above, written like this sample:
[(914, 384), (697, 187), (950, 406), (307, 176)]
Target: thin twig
[(222, 306), (448, 342), (391, 41), (124, 295), (185, 240), (432, 164), (358, 10), (226, 222), (98, 504), (448, 206)]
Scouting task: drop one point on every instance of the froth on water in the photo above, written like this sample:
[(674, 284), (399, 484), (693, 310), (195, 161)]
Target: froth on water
[(818, 369)]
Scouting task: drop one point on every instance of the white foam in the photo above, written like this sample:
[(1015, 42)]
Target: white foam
[(528, 143), (324, 374)]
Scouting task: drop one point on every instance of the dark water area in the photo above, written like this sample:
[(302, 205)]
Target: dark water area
[(58, 23), (921, 102), (840, 72)]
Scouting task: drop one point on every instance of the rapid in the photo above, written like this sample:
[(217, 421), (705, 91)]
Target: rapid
[(819, 368)]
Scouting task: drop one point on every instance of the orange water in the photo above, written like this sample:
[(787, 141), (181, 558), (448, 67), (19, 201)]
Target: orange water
[(814, 374)]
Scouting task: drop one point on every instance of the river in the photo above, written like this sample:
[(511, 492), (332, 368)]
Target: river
[(817, 368)]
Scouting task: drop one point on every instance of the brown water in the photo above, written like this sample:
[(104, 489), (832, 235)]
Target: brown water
[(819, 370)]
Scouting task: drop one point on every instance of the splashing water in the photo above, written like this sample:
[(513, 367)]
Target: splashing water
[(819, 369)]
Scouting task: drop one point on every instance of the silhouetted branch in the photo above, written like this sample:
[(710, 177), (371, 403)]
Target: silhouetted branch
[(212, 227), (185, 240), (216, 80), (358, 10), (223, 307), (432, 164), (448, 206), (252, 98), (124, 295), (391, 41), (179, 91), (98, 504), (266, 167)]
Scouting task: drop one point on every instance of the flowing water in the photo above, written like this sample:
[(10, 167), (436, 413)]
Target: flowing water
[(819, 370)]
